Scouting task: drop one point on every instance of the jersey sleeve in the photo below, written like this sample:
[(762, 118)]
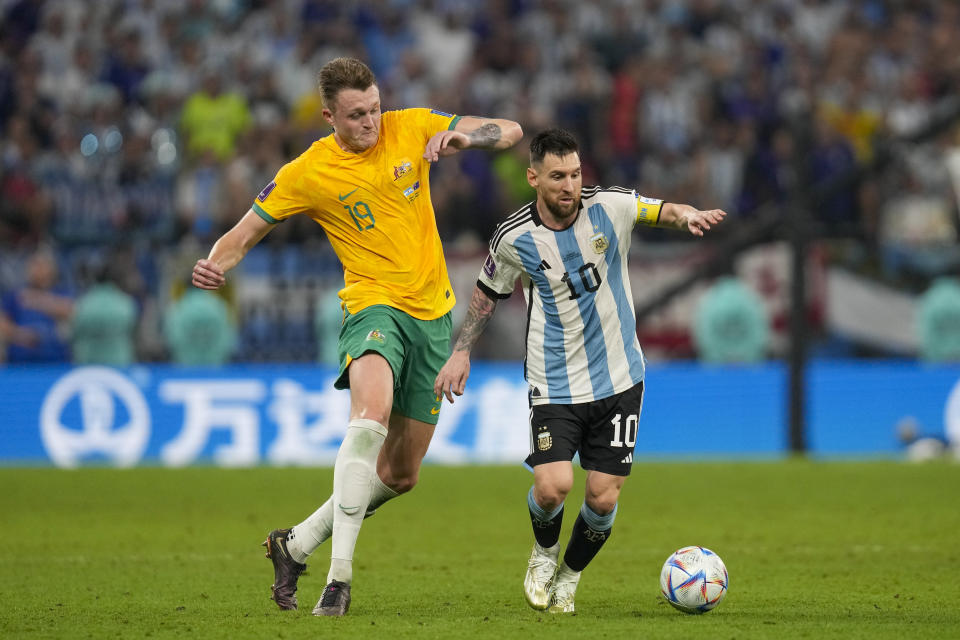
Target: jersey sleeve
[(431, 121), (627, 207), (647, 210), (283, 197), (498, 275)]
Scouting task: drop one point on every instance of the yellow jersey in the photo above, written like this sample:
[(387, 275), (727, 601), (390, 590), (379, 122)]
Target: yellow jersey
[(375, 209)]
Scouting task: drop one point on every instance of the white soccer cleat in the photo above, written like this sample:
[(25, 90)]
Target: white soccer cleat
[(564, 589), (539, 578)]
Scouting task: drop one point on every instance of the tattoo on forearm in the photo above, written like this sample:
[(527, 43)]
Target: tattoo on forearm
[(486, 136), (480, 311)]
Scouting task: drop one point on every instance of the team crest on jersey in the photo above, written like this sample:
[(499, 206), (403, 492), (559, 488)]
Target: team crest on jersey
[(600, 243), (544, 439), (402, 169), (266, 191), (406, 178), (376, 336)]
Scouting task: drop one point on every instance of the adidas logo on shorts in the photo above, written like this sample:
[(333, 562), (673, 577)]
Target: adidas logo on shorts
[(628, 459)]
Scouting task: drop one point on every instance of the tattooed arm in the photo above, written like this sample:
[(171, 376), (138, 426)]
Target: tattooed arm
[(453, 376), (472, 131), (480, 311)]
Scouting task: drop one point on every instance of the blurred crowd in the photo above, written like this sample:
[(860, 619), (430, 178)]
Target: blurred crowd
[(134, 132)]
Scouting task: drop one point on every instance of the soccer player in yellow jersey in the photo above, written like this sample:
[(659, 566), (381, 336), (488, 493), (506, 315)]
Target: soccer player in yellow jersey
[(368, 186)]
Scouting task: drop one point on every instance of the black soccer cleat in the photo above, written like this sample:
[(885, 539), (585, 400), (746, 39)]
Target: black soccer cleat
[(286, 570), (335, 600)]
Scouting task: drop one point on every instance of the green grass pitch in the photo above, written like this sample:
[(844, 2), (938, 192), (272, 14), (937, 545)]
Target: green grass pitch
[(814, 550)]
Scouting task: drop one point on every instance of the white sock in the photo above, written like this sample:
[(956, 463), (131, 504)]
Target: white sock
[(312, 532), (305, 537), (353, 475), (380, 494)]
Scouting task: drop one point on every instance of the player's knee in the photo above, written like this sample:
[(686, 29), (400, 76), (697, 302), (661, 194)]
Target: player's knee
[(602, 506), (602, 502), (405, 483), (550, 496), (371, 411), (397, 478)]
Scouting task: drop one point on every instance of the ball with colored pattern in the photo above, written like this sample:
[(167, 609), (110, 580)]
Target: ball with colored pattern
[(694, 579)]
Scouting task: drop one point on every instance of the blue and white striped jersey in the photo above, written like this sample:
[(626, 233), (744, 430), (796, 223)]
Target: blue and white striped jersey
[(581, 342)]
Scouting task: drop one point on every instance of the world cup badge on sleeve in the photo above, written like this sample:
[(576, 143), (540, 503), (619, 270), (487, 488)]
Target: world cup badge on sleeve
[(489, 266), (262, 196)]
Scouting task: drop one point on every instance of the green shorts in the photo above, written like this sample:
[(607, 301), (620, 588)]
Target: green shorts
[(415, 349)]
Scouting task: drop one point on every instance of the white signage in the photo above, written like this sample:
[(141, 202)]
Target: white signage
[(114, 418), (100, 412), (215, 404)]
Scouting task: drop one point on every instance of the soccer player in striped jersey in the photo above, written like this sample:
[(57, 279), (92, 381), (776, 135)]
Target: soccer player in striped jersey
[(583, 362), (367, 185)]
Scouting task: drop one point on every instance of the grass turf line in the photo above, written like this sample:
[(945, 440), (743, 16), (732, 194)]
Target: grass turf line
[(814, 550)]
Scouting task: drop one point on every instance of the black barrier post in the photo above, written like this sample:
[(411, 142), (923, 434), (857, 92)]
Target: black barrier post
[(799, 223), (799, 219)]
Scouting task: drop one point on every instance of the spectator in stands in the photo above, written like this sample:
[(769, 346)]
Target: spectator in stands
[(126, 67), (769, 172), (24, 206), (831, 156), (213, 119), (662, 76), (33, 318), (200, 196)]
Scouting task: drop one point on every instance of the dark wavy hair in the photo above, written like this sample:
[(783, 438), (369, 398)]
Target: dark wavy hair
[(559, 142)]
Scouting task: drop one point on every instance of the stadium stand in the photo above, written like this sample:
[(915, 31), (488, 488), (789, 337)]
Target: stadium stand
[(104, 143)]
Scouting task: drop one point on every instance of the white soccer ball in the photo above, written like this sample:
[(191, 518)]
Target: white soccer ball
[(694, 579)]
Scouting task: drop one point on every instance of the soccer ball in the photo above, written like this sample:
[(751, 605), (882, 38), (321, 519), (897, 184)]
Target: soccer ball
[(694, 579)]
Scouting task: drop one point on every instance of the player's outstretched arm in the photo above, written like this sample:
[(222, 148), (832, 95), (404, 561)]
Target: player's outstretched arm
[(452, 378), (473, 132), (685, 217), (228, 251)]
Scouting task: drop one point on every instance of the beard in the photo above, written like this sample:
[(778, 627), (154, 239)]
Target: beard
[(561, 211)]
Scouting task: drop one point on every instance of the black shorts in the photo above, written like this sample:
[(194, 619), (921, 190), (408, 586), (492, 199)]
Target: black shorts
[(604, 432)]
